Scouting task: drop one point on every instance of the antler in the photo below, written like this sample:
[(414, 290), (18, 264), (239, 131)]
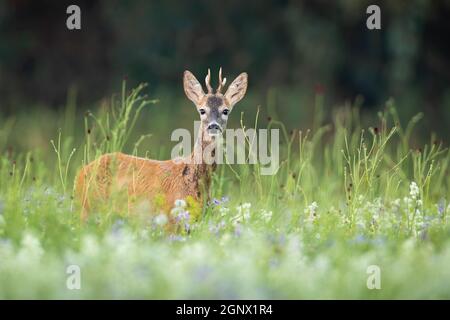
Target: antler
[(221, 82), (207, 81)]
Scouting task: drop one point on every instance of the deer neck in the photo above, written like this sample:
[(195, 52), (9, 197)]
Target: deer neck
[(203, 157), (204, 154)]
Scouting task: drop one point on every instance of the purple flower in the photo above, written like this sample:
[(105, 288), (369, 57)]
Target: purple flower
[(218, 202), (441, 207), (215, 229), (117, 229), (359, 239), (238, 230), (174, 238), (182, 216)]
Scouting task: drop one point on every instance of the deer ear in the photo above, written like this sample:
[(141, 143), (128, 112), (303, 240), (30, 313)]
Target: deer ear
[(192, 88), (236, 90)]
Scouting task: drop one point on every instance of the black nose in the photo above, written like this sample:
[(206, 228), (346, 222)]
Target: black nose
[(213, 126)]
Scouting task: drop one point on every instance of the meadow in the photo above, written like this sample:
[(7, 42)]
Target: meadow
[(352, 191)]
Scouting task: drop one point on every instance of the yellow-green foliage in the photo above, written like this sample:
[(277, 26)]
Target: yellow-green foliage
[(194, 207)]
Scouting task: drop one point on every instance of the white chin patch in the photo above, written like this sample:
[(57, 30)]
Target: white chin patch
[(214, 133)]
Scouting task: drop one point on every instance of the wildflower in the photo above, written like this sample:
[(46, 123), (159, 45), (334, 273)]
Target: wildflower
[(408, 201), (244, 210), (182, 216), (396, 205), (215, 229), (180, 203), (174, 238), (440, 207), (223, 211), (238, 230), (311, 211), (61, 198), (359, 239), (414, 190), (266, 215), (117, 227), (160, 219)]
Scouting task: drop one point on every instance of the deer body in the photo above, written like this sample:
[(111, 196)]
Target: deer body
[(142, 180), (132, 180)]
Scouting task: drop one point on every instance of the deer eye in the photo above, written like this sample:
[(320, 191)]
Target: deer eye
[(202, 111), (225, 112)]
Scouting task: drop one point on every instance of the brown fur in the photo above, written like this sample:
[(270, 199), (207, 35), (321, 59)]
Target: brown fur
[(144, 180)]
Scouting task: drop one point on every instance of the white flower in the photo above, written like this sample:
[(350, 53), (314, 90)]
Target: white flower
[(180, 203), (311, 211), (243, 213), (246, 205), (408, 201), (266, 215), (180, 206), (244, 210), (414, 190), (223, 211), (396, 203), (161, 219)]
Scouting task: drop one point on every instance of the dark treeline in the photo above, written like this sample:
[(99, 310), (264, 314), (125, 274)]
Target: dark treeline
[(291, 44)]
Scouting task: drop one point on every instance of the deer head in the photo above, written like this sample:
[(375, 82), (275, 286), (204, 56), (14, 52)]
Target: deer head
[(214, 108)]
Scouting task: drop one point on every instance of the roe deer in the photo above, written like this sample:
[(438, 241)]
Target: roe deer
[(163, 182)]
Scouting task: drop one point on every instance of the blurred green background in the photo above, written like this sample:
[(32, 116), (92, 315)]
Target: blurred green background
[(292, 50)]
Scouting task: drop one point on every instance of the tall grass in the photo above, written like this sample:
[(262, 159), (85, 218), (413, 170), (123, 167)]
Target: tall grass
[(344, 197)]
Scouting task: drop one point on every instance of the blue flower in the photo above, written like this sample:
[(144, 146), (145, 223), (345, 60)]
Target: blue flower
[(441, 207), (118, 228), (174, 238), (218, 202), (238, 230), (182, 216)]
